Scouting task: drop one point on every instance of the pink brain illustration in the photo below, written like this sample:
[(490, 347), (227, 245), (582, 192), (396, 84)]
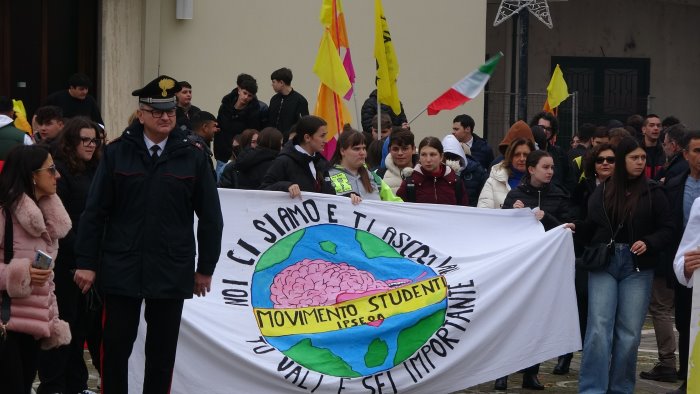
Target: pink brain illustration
[(319, 283)]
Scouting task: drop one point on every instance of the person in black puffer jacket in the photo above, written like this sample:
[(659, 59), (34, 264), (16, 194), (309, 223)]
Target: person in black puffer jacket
[(536, 190), (252, 164), (300, 166), (369, 109), (637, 209), (239, 110)]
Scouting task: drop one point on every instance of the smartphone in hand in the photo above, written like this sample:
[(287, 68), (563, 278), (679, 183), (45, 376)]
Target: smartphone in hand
[(42, 260)]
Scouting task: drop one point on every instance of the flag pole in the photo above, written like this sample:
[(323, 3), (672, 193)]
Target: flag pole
[(379, 117), (419, 114), (357, 109)]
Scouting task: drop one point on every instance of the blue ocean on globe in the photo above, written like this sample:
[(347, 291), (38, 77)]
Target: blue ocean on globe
[(350, 351)]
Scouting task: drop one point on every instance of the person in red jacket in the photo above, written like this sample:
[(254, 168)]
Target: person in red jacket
[(431, 181)]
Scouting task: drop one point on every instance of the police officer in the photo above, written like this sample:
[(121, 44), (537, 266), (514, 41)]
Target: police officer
[(138, 224)]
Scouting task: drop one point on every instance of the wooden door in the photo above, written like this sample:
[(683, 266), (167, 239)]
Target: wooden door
[(42, 43)]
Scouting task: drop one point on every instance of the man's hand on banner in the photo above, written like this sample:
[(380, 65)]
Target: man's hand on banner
[(294, 191), (691, 262), (202, 284), (570, 226)]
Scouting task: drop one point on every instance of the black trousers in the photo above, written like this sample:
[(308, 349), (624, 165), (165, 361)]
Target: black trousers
[(93, 336), (63, 369), (18, 363), (581, 281), (121, 321), (684, 303)]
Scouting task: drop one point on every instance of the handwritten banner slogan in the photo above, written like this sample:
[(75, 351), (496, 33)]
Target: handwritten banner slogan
[(317, 295)]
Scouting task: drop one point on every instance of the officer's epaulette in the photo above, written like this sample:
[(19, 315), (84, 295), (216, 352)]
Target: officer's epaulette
[(194, 142)]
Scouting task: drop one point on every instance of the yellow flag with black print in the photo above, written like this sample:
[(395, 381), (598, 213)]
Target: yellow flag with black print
[(387, 63)]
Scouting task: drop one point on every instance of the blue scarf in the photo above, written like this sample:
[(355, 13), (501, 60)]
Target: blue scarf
[(515, 177)]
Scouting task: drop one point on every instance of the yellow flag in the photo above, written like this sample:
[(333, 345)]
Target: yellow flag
[(21, 117), (387, 64), (329, 67), (557, 91), (332, 109), (328, 7)]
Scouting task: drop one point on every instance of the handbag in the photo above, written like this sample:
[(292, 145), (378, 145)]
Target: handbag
[(595, 256), (9, 253), (598, 256)]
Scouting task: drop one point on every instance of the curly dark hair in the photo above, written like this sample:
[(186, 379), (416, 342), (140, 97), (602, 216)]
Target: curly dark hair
[(590, 157), (68, 142)]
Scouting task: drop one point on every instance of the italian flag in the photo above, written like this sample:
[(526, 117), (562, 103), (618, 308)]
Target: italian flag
[(466, 89)]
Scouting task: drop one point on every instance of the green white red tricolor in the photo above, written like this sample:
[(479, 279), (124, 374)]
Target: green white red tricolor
[(466, 89)]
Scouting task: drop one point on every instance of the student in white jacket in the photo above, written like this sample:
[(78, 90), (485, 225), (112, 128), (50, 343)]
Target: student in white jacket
[(506, 174)]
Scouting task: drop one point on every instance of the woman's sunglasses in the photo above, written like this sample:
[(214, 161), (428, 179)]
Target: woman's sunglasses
[(601, 159), (51, 169)]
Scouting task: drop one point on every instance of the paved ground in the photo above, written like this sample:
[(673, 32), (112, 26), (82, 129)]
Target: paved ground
[(569, 383), (553, 383)]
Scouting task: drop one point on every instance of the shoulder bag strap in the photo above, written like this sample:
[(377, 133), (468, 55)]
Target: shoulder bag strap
[(614, 233)]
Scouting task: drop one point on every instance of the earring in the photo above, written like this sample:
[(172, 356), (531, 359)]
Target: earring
[(34, 182)]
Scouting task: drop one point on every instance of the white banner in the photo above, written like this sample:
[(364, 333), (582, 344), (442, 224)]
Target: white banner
[(318, 295), (690, 241)]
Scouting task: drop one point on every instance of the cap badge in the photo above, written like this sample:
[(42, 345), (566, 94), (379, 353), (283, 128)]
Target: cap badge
[(165, 84)]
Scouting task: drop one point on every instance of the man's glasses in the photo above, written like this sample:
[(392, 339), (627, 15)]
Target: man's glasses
[(156, 113), (51, 169), (87, 141), (601, 159)]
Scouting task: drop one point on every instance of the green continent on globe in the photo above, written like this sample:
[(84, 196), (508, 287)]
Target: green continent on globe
[(377, 352), (319, 360), (374, 247), (419, 333), (280, 251), (329, 247)]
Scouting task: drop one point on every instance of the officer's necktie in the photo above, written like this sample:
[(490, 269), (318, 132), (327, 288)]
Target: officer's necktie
[(154, 153)]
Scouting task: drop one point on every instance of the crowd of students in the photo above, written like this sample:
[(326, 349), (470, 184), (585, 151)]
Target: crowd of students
[(617, 196), (606, 188)]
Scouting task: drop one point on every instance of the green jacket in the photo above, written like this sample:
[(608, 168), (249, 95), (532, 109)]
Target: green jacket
[(10, 136)]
